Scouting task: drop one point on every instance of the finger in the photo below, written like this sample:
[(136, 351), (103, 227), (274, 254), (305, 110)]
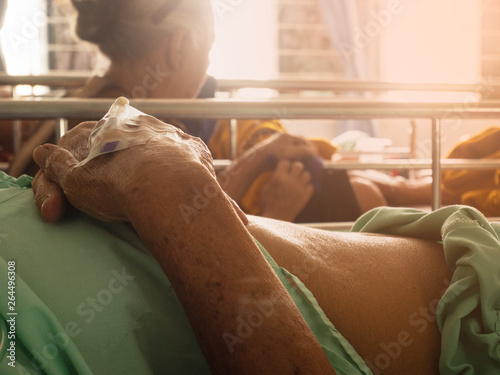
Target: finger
[(55, 161), (283, 167), (305, 178), (310, 190), (40, 155), (49, 198), (54, 207), (296, 168)]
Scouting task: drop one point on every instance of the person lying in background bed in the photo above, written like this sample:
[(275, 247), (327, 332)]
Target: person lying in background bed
[(411, 293)]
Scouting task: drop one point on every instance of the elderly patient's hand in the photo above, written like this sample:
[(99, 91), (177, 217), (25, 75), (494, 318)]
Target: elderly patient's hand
[(102, 186), (49, 197)]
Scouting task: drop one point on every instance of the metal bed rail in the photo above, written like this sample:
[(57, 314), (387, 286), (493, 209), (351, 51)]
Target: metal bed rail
[(253, 109), (63, 109), (50, 80), (280, 84), (446, 164)]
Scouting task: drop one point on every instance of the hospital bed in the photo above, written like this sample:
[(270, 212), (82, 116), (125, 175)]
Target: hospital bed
[(63, 109), (434, 112), (282, 107)]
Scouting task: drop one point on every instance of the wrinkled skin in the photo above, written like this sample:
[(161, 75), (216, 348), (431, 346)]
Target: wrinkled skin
[(66, 180)]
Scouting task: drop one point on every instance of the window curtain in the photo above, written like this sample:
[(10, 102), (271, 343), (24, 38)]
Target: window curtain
[(343, 21)]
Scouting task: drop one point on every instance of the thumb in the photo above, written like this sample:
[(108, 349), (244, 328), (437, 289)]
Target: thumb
[(55, 161)]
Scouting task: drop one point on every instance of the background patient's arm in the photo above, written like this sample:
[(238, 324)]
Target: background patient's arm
[(242, 172)]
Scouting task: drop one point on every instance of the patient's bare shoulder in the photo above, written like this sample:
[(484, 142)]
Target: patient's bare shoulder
[(379, 291)]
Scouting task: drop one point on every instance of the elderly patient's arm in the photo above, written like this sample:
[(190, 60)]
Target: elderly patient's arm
[(217, 271)]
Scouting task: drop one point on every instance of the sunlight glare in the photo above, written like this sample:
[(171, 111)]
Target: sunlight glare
[(434, 42), (244, 41)]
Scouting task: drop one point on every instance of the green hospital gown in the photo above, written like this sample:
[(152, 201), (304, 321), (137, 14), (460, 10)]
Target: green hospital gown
[(468, 314), (90, 299)]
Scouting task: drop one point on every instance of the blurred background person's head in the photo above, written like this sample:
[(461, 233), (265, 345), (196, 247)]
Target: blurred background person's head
[(156, 48)]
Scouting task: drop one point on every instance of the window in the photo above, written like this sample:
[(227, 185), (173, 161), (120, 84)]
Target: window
[(24, 37), (428, 41), (433, 41), (244, 39)]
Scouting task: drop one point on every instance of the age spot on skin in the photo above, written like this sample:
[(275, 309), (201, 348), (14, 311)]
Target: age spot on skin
[(209, 284), (166, 241)]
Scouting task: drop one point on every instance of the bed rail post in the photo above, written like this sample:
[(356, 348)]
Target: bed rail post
[(234, 138), (61, 128), (17, 127), (436, 163)]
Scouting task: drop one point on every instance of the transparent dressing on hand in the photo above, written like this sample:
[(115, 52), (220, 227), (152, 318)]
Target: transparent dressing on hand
[(121, 128)]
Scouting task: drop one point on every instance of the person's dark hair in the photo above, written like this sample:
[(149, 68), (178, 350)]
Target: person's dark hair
[(127, 29)]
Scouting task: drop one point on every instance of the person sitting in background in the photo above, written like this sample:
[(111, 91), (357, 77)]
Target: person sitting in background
[(159, 49), (388, 294), (327, 194), (477, 188)]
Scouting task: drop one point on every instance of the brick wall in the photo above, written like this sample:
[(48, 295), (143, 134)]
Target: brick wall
[(490, 40), (304, 48), (65, 51)]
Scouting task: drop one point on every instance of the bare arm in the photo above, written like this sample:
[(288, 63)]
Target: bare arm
[(217, 271), (228, 280)]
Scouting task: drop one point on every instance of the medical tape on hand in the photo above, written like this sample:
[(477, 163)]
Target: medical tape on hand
[(122, 128)]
